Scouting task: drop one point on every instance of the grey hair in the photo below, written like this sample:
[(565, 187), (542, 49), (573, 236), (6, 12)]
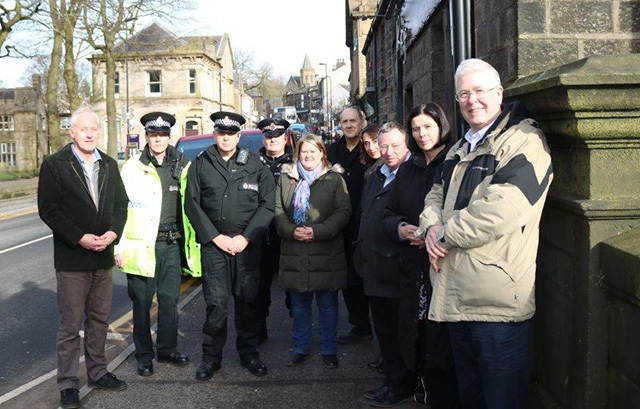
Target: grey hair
[(474, 65), (390, 126), (80, 111)]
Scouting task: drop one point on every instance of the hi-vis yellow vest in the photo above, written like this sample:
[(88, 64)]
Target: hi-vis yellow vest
[(143, 218)]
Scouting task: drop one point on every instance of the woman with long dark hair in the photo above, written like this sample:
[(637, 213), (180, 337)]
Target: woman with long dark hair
[(425, 344)]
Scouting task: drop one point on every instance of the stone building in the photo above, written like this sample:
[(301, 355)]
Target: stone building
[(574, 65), (23, 136), (189, 77)]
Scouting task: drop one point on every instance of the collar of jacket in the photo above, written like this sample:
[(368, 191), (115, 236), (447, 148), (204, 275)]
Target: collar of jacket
[(65, 153), (284, 158), (512, 114), (171, 156), (291, 170)]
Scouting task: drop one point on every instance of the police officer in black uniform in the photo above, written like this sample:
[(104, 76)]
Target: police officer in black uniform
[(274, 154), (230, 202)]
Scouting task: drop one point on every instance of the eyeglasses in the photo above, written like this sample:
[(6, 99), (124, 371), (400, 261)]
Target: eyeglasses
[(481, 94), (369, 144)]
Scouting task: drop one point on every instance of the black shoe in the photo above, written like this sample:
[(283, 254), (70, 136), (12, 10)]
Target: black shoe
[(207, 369), (389, 399), (69, 398), (355, 336), (109, 382), (296, 359), (377, 363), (254, 365), (145, 368), (174, 358), (375, 393), (330, 361)]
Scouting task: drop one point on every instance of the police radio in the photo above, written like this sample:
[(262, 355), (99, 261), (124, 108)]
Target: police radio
[(243, 157)]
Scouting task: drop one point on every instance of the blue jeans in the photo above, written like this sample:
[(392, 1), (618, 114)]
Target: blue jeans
[(492, 363), (327, 302)]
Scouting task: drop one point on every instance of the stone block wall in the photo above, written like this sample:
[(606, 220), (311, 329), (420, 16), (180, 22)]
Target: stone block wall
[(426, 62), (523, 37)]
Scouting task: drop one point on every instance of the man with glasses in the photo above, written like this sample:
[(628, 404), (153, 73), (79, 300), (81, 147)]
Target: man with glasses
[(481, 227), (230, 202), (156, 233), (274, 154)]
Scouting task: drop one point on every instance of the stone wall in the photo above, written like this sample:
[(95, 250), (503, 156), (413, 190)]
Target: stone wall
[(586, 110), (523, 37)]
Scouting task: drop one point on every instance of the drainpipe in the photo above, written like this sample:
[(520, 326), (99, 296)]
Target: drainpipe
[(462, 47)]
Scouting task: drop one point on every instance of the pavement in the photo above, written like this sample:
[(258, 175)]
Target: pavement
[(309, 385)]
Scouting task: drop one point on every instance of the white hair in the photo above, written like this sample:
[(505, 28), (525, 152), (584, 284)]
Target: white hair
[(80, 111), (474, 65)]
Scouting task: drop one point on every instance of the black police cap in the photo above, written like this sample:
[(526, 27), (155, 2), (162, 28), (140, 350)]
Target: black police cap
[(272, 127), (227, 121), (158, 122)]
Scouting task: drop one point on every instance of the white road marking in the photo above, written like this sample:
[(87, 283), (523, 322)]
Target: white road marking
[(25, 244), (84, 390)]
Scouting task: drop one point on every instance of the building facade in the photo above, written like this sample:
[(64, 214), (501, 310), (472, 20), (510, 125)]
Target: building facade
[(188, 77), (23, 136)]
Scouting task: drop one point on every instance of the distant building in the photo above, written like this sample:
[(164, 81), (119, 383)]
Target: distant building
[(315, 96), (189, 77), (23, 136)]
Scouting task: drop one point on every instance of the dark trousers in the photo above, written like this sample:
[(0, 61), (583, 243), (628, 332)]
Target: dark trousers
[(81, 293), (357, 304), (491, 361), (141, 291), (227, 276), (436, 365), (269, 263), (398, 378)]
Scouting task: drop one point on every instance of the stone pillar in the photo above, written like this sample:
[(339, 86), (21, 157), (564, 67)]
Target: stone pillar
[(589, 112)]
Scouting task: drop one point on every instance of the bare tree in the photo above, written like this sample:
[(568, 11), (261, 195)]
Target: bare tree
[(104, 21), (10, 16)]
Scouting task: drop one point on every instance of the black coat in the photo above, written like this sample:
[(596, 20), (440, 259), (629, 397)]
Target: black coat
[(220, 201), (66, 206), (376, 254), (413, 181), (353, 174)]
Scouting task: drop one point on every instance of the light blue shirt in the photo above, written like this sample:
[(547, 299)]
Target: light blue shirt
[(390, 175), (90, 171), (474, 138)]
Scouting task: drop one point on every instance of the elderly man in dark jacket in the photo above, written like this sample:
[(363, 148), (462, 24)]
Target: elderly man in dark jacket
[(376, 259), (82, 199)]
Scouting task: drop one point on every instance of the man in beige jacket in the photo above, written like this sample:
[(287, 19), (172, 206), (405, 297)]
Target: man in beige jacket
[(481, 228)]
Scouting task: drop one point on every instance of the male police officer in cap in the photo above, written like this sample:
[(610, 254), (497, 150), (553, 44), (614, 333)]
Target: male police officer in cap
[(155, 234), (274, 154), (230, 201)]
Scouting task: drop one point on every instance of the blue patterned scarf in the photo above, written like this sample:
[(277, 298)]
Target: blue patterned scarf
[(303, 192)]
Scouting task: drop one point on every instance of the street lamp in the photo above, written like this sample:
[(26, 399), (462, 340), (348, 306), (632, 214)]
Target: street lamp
[(126, 69), (325, 95)]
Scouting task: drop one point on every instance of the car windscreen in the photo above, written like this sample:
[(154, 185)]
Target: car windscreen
[(193, 147), (253, 142)]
